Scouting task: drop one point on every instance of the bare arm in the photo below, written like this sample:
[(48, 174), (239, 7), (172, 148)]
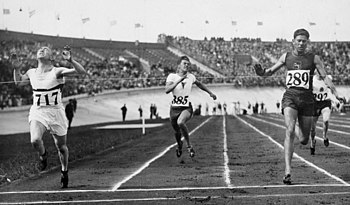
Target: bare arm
[(78, 68), (268, 72), (170, 86), (19, 79), (203, 87), (323, 75)]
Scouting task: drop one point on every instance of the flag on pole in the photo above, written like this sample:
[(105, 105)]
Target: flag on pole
[(312, 23), (6, 11), (234, 23), (113, 22), (31, 13), (259, 23), (84, 20), (138, 25)]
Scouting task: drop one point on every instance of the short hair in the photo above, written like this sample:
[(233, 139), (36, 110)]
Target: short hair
[(183, 58), (302, 32)]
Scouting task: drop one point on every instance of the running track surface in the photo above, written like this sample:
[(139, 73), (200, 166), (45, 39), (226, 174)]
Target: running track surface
[(239, 159)]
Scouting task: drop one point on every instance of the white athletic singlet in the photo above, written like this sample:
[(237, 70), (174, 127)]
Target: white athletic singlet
[(320, 90), (47, 89), (181, 93)]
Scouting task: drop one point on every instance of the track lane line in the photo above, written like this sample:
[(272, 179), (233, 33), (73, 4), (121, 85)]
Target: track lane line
[(226, 159), (319, 138), (146, 164), (295, 154)]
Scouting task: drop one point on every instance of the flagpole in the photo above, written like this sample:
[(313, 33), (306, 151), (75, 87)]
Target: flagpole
[(3, 20)]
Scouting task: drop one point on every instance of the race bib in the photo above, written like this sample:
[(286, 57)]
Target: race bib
[(49, 98), (321, 96), (298, 78), (180, 101)]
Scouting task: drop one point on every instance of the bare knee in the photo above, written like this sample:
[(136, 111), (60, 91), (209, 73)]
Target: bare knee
[(181, 124)]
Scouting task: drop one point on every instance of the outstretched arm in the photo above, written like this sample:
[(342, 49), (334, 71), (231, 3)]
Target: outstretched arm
[(268, 72), (78, 68), (203, 87), (322, 72), (17, 76)]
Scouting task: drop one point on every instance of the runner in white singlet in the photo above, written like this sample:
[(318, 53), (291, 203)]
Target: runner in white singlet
[(180, 84), (47, 112), (324, 98)]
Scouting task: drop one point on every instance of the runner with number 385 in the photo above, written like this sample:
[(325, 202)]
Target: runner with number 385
[(180, 85)]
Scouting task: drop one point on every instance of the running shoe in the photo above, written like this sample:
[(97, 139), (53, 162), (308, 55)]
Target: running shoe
[(326, 142), (287, 179), (179, 149), (64, 179), (191, 151), (43, 161), (312, 149)]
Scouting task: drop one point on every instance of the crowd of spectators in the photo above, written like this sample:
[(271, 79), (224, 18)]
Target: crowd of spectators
[(118, 72), (221, 56), (112, 73)]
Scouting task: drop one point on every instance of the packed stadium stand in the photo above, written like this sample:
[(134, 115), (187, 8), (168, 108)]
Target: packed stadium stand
[(114, 65)]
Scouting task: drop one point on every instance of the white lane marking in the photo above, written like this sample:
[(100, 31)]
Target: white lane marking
[(226, 159), (145, 165), (199, 198), (318, 127), (129, 126), (295, 154), (319, 138), (175, 189)]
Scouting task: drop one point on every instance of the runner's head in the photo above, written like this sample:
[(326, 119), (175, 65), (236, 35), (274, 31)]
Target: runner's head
[(300, 40), (183, 64), (44, 53)]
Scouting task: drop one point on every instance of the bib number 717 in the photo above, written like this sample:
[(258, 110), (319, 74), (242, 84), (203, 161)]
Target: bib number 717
[(52, 98)]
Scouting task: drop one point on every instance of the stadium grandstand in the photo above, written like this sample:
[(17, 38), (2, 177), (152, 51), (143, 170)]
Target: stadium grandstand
[(115, 65)]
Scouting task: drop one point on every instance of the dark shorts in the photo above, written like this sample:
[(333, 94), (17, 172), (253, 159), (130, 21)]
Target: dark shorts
[(301, 100), (175, 112), (320, 105)]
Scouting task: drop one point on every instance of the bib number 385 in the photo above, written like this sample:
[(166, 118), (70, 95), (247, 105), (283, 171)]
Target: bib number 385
[(180, 100), (298, 78)]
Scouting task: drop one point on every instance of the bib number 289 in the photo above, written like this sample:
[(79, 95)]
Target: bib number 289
[(298, 78)]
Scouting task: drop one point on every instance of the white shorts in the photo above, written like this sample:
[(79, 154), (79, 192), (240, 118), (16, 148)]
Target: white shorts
[(54, 119)]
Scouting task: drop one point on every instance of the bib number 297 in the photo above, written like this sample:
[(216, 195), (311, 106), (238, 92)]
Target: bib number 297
[(180, 100)]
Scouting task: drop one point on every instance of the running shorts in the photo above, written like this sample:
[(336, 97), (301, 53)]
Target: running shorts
[(54, 119), (301, 100), (176, 111), (320, 105)]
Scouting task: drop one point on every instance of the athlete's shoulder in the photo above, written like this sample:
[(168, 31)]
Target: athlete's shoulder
[(171, 77), (30, 71)]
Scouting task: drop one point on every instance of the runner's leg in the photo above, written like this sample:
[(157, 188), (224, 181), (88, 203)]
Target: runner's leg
[(61, 146), (181, 121), (313, 132), (304, 128), (326, 113), (290, 117), (37, 131)]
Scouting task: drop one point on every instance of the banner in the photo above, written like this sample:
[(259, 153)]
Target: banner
[(84, 20), (6, 11)]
